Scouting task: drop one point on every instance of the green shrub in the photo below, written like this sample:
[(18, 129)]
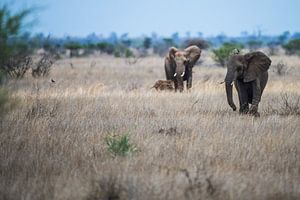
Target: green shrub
[(221, 54), (105, 47), (120, 145), (11, 46), (292, 47), (117, 53), (128, 53)]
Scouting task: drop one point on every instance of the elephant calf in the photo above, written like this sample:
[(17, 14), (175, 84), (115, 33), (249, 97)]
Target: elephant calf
[(163, 85), (179, 65), (249, 73)]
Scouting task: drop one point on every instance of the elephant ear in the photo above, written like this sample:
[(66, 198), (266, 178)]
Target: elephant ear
[(172, 52), (192, 54), (256, 64)]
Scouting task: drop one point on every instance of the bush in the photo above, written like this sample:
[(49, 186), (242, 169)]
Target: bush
[(273, 48), (43, 66), (292, 47), (288, 104), (16, 66), (120, 146), (128, 53), (105, 47), (221, 54), (281, 68), (13, 53)]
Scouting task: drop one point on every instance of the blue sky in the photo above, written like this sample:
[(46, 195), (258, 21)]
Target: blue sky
[(137, 17)]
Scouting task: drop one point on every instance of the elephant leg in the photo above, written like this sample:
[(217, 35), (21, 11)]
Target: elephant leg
[(189, 82), (243, 97), (175, 85), (256, 91)]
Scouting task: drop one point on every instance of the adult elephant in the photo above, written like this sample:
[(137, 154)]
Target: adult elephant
[(179, 65), (250, 75)]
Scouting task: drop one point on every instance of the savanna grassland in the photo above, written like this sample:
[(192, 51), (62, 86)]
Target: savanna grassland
[(190, 145)]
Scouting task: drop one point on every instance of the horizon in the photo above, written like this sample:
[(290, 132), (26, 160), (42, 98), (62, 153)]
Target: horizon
[(230, 18)]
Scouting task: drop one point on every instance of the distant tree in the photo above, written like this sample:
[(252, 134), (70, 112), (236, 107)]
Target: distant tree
[(105, 47), (169, 42), (175, 38), (147, 43), (222, 53), (74, 48), (11, 44), (254, 44), (113, 38), (273, 47), (284, 37), (292, 47)]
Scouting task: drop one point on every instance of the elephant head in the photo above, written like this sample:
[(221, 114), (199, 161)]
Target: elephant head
[(183, 62), (245, 68)]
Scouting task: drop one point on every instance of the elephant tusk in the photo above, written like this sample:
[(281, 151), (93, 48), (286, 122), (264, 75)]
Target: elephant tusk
[(182, 74), (175, 74), (231, 83)]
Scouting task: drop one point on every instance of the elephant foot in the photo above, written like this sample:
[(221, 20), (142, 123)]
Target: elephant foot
[(244, 109), (254, 111)]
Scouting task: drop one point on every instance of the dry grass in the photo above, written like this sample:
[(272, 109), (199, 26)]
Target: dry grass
[(191, 145)]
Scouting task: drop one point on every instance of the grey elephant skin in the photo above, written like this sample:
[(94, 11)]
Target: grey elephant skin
[(179, 65), (249, 73)]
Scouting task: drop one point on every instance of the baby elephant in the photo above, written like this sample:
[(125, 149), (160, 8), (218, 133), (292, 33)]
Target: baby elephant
[(179, 65), (164, 85)]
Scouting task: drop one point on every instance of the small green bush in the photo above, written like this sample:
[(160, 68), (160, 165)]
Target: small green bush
[(120, 145), (11, 47), (128, 53), (222, 53), (292, 47)]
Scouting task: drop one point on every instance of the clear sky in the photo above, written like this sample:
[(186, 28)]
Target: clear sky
[(137, 17)]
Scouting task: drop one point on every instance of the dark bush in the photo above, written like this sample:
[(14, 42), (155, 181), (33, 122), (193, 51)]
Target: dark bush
[(17, 66), (43, 66), (105, 47), (292, 47), (14, 60)]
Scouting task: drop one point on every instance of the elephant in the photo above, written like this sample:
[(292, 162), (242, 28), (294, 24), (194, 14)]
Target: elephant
[(163, 85), (249, 73), (179, 65)]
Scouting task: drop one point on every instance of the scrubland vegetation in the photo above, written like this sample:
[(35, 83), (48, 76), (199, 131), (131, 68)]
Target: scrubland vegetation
[(101, 133), (87, 125)]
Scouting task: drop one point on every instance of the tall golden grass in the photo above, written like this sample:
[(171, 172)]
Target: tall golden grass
[(191, 145)]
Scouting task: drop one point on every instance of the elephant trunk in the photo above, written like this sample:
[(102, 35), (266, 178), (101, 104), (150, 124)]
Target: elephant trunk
[(179, 75), (228, 86), (179, 80)]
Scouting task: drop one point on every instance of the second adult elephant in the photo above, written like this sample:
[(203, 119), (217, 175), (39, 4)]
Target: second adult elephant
[(249, 73), (179, 65)]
